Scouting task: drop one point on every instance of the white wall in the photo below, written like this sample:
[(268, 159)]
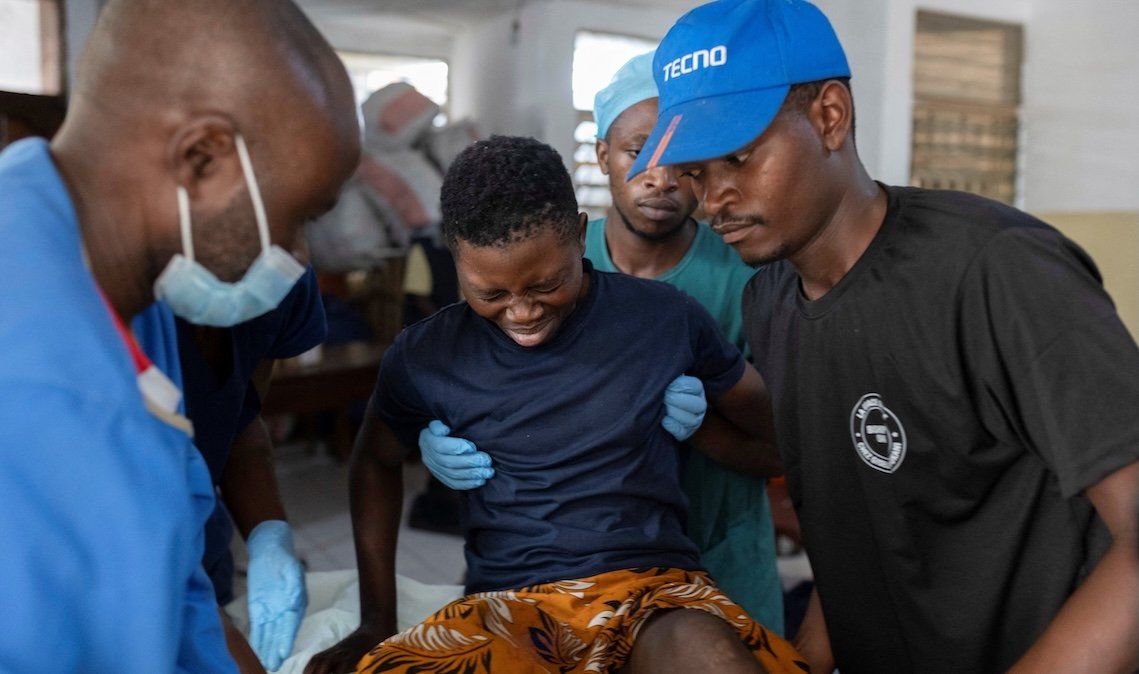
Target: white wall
[(1082, 106), (484, 74), (544, 97), (385, 34)]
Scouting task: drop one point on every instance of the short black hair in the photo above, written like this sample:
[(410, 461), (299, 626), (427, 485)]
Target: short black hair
[(800, 97), (504, 189)]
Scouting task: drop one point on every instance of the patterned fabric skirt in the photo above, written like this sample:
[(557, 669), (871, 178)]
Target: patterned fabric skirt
[(570, 626)]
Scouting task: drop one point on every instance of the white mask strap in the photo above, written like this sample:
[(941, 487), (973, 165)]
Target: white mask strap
[(184, 223), (254, 192)]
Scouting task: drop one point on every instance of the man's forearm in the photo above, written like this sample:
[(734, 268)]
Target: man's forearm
[(729, 445), (249, 482), (239, 649), (1097, 630), (376, 493), (813, 641)]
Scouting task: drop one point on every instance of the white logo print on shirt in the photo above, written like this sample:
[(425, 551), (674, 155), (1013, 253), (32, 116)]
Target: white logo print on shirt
[(877, 433)]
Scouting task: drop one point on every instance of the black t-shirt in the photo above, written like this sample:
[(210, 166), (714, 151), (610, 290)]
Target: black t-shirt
[(939, 412), (586, 480)]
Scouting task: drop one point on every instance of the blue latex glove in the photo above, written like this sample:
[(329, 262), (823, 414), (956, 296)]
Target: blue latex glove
[(455, 461), (684, 407), (277, 597)]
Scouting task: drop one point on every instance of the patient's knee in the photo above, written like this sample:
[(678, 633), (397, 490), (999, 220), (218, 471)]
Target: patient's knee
[(682, 640)]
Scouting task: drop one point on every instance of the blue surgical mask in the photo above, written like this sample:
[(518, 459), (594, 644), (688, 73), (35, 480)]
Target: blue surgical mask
[(195, 294)]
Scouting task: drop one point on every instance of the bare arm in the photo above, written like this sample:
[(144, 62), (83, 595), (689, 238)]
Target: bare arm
[(239, 649), (249, 483), (376, 495), (738, 431), (1097, 630), (813, 641)]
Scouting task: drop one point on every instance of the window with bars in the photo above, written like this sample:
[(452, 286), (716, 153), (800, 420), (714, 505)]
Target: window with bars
[(31, 69), (31, 33), (966, 105)]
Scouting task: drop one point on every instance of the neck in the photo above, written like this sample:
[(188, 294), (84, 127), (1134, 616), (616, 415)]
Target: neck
[(844, 238), (645, 257), (110, 226)]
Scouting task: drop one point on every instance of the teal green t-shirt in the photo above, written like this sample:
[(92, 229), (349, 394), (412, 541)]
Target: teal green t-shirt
[(729, 516)]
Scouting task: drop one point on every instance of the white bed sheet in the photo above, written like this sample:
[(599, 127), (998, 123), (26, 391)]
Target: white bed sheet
[(334, 611)]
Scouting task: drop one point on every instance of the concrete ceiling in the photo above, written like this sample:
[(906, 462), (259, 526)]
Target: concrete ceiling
[(451, 11)]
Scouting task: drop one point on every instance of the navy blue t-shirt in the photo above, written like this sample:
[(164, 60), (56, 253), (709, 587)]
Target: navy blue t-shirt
[(221, 407), (586, 479)]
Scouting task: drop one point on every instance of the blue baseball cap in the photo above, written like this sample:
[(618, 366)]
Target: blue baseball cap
[(632, 84), (724, 70)]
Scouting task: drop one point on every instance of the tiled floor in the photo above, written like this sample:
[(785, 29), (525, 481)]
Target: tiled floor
[(314, 487)]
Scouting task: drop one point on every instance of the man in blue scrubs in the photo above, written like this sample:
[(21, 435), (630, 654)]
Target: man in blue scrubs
[(224, 374), (147, 191)]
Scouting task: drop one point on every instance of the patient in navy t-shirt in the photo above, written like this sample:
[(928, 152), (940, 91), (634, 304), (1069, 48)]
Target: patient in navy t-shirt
[(577, 557)]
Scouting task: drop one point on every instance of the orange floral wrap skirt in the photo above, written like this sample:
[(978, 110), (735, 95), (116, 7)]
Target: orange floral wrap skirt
[(566, 627)]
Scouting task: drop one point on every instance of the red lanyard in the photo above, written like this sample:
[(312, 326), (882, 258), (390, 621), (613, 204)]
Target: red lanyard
[(141, 362), (159, 394)]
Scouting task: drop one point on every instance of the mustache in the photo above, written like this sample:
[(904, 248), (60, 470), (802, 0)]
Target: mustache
[(728, 219)]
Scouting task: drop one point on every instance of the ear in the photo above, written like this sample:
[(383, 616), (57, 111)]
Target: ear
[(204, 158), (602, 148), (583, 223), (832, 114)]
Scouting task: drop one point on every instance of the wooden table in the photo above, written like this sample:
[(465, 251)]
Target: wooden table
[(343, 375)]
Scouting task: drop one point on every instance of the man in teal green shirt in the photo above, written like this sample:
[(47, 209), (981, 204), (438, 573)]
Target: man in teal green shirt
[(649, 232)]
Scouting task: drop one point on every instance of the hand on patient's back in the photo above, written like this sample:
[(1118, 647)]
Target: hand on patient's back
[(277, 597), (455, 461), (684, 407), (344, 656)]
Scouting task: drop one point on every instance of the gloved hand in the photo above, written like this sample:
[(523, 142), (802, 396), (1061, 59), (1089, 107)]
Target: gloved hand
[(455, 461), (277, 597), (684, 407)]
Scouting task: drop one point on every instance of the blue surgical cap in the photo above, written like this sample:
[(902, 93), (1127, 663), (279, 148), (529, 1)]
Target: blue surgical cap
[(632, 84)]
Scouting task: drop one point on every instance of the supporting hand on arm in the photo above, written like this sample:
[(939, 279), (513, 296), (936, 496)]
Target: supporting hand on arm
[(738, 431), (456, 462), (684, 407)]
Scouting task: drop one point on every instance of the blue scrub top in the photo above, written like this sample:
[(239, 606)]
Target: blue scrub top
[(103, 504)]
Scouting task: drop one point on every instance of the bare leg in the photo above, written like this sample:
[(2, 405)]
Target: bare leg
[(688, 640)]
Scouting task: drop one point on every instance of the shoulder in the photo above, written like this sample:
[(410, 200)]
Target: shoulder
[(433, 337), (615, 287), (987, 234), (596, 249), (968, 218), (296, 325)]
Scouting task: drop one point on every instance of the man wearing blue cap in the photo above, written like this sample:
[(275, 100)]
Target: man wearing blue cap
[(649, 232), (954, 393)]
